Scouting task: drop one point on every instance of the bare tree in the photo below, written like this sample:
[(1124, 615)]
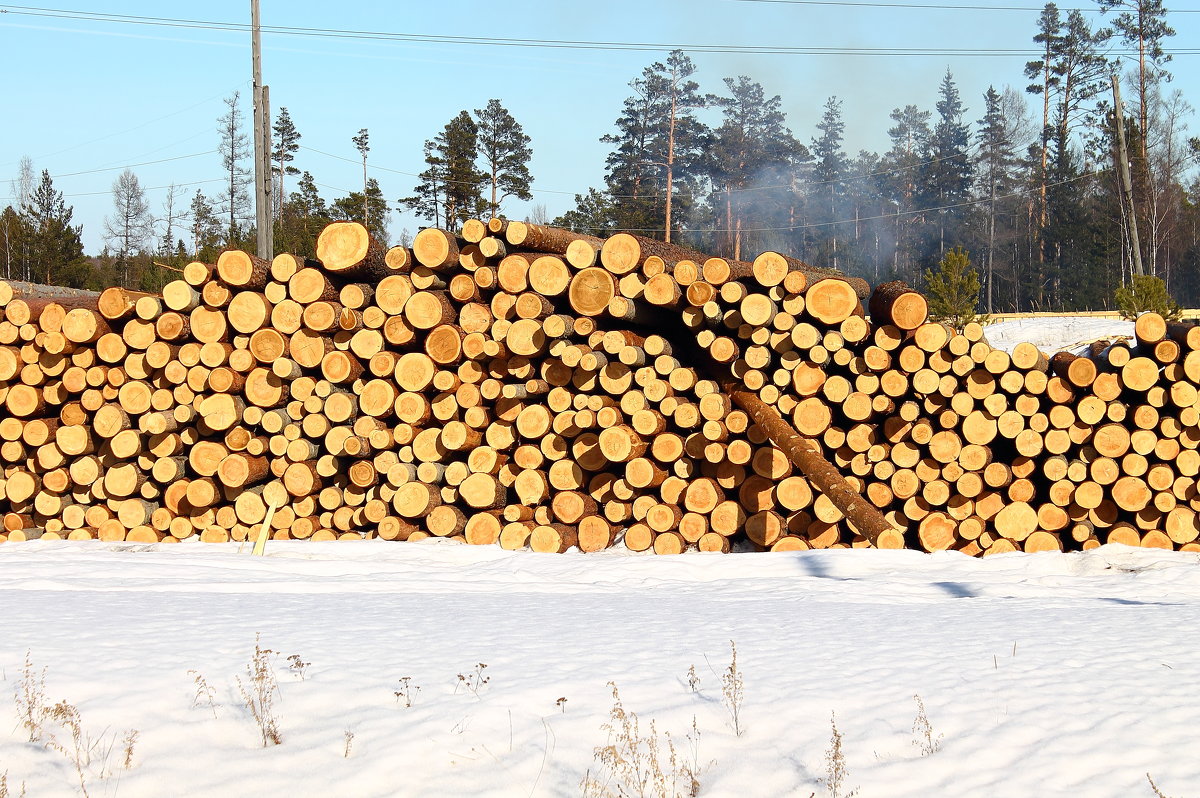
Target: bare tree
[(22, 186), (130, 223), (1169, 157), (173, 215), (235, 194), (537, 214)]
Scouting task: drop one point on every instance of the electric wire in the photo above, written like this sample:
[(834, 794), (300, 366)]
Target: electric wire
[(487, 41)]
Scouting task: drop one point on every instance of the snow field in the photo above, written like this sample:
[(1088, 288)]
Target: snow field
[(1042, 675)]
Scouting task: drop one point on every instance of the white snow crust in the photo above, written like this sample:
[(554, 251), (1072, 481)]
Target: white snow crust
[(1043, 675), (1056, 333)]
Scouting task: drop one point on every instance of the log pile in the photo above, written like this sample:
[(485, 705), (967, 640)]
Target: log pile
[(526, 386)]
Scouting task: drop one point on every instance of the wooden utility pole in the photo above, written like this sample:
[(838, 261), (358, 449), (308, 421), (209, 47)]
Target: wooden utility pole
[(1122, 157), (262, 141)]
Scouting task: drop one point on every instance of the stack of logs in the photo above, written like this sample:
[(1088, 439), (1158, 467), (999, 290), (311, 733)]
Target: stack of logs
[(529, 386)]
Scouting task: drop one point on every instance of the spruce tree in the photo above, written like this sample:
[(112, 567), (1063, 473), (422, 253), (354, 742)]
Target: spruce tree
[(947, 177), (504, 153), (55, 245)]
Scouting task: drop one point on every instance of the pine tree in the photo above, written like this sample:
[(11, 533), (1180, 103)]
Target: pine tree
[(593, 214), (679, 144), (234, 199), (450, 190), (206, 227), (1146, 294), (1082, 76), (303, 216), (865, 204), (362, 143), (828, 173), (994, 164), (901, 164), (505, 154), (1042, 71), (1143, 24), (429, 195), (659, 162), (370, 209), (953, 290), (752, 145), (630, 174), (287, 144)]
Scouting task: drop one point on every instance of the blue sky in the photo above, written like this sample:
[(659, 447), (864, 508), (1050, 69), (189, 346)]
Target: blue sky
[(83, 95)]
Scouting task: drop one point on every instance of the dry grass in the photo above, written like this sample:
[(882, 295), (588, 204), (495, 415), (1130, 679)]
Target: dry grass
[(205, 694), (632, 764), (1157, 792), (407, 692), (30, 698), (297, 666), (836, 772), (4, 793), (89, 754), (260, 691), (732, 691), (923, 731), (473, 681), (128, 742)]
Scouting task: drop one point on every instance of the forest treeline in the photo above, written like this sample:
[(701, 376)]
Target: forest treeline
[(1024, 179)]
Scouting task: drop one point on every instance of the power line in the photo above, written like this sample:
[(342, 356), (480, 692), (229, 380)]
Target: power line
[(938, 6), (151, 188), (350, 34), (131, 165), (135, 127)]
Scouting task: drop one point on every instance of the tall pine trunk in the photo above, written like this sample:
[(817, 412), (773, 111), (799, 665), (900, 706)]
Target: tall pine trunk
[(670, 171)]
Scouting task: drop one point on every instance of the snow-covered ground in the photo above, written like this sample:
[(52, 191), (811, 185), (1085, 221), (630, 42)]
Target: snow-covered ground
[(1041, 675), (1055, 333)]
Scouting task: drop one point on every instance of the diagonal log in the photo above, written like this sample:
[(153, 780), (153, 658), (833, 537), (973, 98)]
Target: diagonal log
[(806, 456)]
